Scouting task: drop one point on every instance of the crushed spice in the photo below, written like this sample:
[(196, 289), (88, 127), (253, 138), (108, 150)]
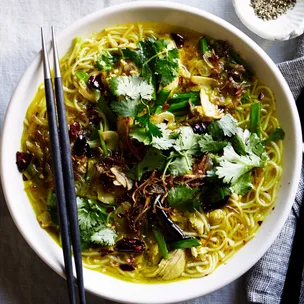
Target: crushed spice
[(271, 9)]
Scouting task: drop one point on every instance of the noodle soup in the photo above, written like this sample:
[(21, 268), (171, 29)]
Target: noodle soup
[(177, 151)]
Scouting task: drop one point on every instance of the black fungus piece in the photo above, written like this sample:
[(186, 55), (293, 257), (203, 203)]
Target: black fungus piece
[(130, 245), (261, 96), (222, 48), (23, 159), (93, 115), (236, 72), (74, 129), (214, 196), (173, 232), (210, 206), (95, 82), (178, 39), (81, 147), (200, 128), (126, 267)]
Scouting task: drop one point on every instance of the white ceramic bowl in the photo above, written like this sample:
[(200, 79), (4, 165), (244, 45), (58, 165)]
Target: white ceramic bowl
[(107, 286), (286, 26)]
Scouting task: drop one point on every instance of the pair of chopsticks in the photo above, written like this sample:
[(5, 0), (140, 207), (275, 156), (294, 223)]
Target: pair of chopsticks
[(63, 173)]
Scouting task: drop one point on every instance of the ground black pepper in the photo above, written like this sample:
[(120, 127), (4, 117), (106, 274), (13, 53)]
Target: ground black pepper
[(271, 9)]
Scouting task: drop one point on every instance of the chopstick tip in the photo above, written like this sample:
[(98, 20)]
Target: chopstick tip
[(46, 67), (55, 52)]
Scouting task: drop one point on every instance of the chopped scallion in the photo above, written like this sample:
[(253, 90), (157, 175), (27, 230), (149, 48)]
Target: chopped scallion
[(255, 118), (161, 243), (81, 75), (103, 144), (203, 44)]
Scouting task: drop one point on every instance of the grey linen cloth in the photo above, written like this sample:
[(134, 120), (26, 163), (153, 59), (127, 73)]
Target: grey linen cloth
[(265, 281)]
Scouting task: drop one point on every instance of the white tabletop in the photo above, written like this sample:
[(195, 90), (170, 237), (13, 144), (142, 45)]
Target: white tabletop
[(24, 278)]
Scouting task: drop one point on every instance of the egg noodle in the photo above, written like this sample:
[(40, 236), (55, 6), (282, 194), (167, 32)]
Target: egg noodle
[(240, 218)]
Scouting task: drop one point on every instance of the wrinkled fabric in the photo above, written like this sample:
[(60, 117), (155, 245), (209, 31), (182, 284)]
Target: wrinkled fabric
[(265, 281)]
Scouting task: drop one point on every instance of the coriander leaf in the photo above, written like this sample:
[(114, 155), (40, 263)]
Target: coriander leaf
[(147, 74), (143, 119), (226, 126), (207, 144), (161, 44), (137, 56), (147, 47), (278, 134), (182, 196), (243, 184), (232, 166), (239, 141), (141, 134), (245, 143), (254, 145), (154, 130), (145, 52), (181, 164), (146, 133), (89, 213), (152, 160), (106, 61), (167, 67), (187, 140), (215, 130), (51, 207), (91, 217), (104, 236), (164, 142), (85, 241), (151, 128), (133, 87), (125, 108), (147, 70), (86, 219)]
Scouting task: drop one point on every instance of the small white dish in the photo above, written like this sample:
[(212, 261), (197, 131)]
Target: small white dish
[(286, 26)]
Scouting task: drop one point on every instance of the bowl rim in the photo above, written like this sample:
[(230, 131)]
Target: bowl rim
[(298, 143)]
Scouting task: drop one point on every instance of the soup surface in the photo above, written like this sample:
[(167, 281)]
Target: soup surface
[(176, 147)]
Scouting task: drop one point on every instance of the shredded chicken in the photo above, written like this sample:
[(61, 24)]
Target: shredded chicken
[(121, 178)]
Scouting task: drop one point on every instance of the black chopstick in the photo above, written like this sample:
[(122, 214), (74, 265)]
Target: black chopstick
[(63, 175)]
